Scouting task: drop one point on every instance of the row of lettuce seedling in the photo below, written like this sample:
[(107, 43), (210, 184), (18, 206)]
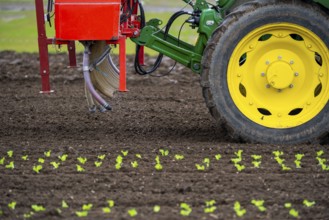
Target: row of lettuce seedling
[(185, 209), (8, 162)]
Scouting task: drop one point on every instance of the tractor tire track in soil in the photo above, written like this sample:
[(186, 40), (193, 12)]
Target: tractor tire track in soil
[(157, 113)]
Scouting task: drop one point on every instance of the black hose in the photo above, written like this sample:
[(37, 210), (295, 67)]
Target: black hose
[(140, 70)]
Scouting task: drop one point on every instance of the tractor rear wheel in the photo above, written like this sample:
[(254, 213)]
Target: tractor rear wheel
[(266, 72)]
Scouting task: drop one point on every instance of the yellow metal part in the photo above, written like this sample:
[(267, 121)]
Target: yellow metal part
[(278, 75)]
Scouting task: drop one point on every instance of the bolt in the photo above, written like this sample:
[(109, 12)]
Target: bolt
[(309, 46), (251, 47), (239, 75), (291, 86), (280, 57), (308, 103), (135, 33), (251, 103), (196, 66), (280, 35), (296, 74), (292, 62), (321, 74), (268, 86), (279, 115), (267, 62), (45, 71), (279, 90), (263, 74)]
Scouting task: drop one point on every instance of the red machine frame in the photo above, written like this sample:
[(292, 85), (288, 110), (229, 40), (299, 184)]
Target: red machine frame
[(128, 28)]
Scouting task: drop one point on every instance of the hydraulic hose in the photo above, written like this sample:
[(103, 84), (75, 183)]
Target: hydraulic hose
[(158, 61), (89, 85)]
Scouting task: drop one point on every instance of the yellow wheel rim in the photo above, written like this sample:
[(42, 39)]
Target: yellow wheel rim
[(278, 75)]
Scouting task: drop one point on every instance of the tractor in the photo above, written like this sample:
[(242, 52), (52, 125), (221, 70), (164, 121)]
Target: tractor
[(263, 64)]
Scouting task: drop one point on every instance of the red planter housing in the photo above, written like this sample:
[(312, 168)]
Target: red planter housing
[(87, 19)]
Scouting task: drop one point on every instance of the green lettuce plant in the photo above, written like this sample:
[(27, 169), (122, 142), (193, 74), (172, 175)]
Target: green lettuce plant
[(138, 156), (82, 160), (257, 160), (280, 161), (124, 152), (10, 153), (80, 168), (218, 156), (259, 204), (185, 209), (132, 212), (12, 205), (134, 164), (210, 206), (25, 157), (322, 161), (158, 165), (63, 157), (11, 165), (41, 160), (164, 152), (47, 153), (55, 164), (205, 164), (37, 168), (293, 212), (98, 163), (101, 157), (308, 204), (2, 161), (239, 211), (298, 160), (237, 160), (38, 208), (64, 204), (108, 209), (179, 157), (118, 161), (156, 209)]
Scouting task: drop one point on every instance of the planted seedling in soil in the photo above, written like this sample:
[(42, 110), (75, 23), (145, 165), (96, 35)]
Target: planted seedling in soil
[(322, 161), (37, 168), (82, 160), (132, 212), (210, 206), (101, 157), (308, 204), (63, 157), (25, 157), (218, 156), (10, 153), (64, 204), (11, 165), (205, 164), (158, 165), (298, 160), (85, 210), (41, 160), (236, 161), (239, 211), (98, 163), (80, 168), (138, 156), (156, 209), (2, 161), (124, 153), (257, 160), (108, 209), (179, 157), (47, 153), (185, 209), (164, 152), (259, 204), (55, 164), (134, 164), (280, 161), (293, 212), (118, 161), (12, 205), (38, 208)]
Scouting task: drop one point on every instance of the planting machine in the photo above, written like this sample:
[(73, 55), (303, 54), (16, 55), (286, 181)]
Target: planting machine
[(263, 64)]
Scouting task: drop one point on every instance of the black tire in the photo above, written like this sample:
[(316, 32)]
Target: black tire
[(235, 26)]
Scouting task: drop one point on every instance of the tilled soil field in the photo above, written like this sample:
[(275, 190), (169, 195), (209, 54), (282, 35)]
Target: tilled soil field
[(157, 150)]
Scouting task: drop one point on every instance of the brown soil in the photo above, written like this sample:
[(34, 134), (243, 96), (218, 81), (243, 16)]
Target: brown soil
[(157, 113)]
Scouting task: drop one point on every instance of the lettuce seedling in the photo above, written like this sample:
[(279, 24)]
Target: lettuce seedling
[(134, 164), (98, 163), (37, 168), (280, 161), (63, 157), (110, 203), (239, 210), (322, 161), (206, 161), (132, 212), (200, 167), (87, 207), (156, 209), (239, 167), (308, 203), (218, 156), (10, 153), (259, 204), (298, 160), (101, 157), (158, 165), (293, 212), (28, 215), (179, 157), (138, 156), (41, 160), (64, 204), (38, 208), (11, 165), (55, 164), (82, 160), (124, 153), (106, 210), (80, 168), (164, 152), (118, 161), (210, 206), (47, 153), (12, 205), (81, 213), (185, 209), (237, 160), (25, 157), (256, 160), (2, 160)]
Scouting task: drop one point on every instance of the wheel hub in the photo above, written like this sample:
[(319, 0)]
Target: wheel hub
[(280, 75)]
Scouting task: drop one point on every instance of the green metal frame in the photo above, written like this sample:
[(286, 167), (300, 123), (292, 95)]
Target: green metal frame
[(189, 55), (325, 3)]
